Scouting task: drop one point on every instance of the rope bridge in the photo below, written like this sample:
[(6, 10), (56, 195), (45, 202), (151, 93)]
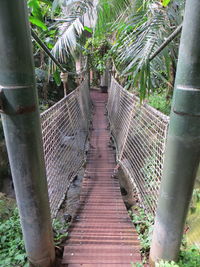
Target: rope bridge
[(102, 226), (139, 132)]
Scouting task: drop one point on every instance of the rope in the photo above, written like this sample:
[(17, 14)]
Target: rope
[(65, 129), (139, 132)]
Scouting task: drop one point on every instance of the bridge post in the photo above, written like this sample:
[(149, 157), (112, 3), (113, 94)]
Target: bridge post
[(21, 123), (183, 144)]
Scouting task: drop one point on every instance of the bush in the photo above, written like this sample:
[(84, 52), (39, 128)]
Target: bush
[(144, 226), (12, 249), (159, 102), (189, 257)]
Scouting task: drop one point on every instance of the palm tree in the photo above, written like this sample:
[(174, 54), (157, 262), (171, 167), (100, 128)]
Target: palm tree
[(135, 28), (145, 28), (72, 22)]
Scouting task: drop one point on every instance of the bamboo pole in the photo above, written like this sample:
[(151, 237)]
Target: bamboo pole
[(183, 150), (47, 51), (21, 123), (170, 38)]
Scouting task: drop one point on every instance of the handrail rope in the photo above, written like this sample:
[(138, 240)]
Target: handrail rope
[(143, 143), (65, 132)]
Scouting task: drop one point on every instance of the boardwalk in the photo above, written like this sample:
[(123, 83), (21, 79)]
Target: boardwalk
[(102, 233)]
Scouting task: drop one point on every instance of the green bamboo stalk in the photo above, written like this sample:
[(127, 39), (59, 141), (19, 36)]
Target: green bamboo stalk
[(47, 51), (170, 38), (21, 123), (183, 150)]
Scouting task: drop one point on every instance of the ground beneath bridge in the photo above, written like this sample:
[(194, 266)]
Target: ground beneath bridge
[(102, 233)]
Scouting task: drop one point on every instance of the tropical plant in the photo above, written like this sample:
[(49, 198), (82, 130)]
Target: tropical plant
[(140, 30), (98, 50), (160, 101), (12, 249), (188, 258), (72, 21), (135, 28), (143, 222)]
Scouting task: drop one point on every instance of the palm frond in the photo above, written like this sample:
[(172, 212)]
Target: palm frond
[(142, 32), (71, 25)]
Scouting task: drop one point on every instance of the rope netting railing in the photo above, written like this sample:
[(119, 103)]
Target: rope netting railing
[(65, 129), (139, 132)]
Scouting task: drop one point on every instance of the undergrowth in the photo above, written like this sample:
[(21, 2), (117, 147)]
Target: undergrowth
[(189, 255), (12, 250), (159, 102), (144, 227)]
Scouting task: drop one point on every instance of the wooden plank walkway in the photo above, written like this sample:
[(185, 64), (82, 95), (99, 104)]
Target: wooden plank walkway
[(102, 233)]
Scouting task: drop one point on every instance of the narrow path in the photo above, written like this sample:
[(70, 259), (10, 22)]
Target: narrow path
[(102, 233)]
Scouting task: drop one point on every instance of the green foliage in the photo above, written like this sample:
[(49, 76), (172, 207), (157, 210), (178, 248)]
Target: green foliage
[(137, 29), (189, 257), (159, 101), (165, 2), (137, 264), (56, 77), (37, 22), (42, 23), (99, 52), (12, 249), (60, 231), (37, 13), (166, 264), (195, 200), (71, 26), (109, 13), (144, 226)]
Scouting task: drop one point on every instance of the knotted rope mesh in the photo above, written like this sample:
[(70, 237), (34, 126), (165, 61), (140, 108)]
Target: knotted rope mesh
[(140, 133), (65, 129)]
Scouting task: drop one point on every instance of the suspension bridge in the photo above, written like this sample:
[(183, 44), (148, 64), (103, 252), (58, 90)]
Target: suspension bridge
[(102, 232)]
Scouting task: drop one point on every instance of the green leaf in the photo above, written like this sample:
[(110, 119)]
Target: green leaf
[(56, 77), (38, 23), (165, 2), (88, 29), (35, 9), (20, 257)]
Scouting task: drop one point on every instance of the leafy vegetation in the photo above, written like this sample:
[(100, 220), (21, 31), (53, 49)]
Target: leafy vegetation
[(12, 250), (189, 254), (144, 226), (60, 231), (133, 29), (98, 50), (189, 257), (159, 101)]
